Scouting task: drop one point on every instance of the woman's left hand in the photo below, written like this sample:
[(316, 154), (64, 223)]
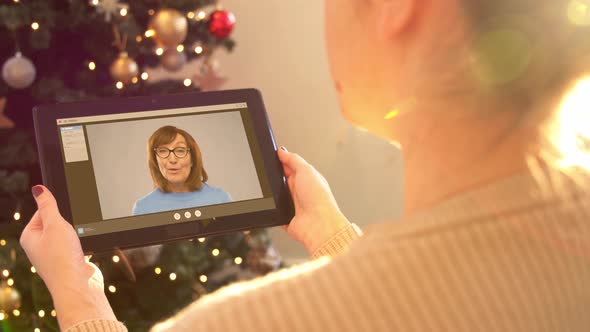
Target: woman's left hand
[(75, 284)]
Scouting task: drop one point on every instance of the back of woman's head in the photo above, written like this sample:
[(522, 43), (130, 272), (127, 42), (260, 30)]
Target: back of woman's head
[(526, 51), (522, 48)]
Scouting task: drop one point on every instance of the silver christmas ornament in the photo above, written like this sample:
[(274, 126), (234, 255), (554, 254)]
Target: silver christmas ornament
[(19, 72), (172, 60)]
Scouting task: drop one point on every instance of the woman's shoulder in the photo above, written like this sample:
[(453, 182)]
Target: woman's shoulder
[(209, 189), (156, 193), (519, 200), (144, 204)]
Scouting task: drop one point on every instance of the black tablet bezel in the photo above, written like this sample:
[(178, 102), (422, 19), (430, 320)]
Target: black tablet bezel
[(52, 168)]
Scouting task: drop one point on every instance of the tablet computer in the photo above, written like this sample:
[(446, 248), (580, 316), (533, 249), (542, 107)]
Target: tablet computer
[(129, 172)]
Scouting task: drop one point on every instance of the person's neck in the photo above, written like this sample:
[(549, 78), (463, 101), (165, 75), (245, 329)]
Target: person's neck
[(456, 151), (178, 188)]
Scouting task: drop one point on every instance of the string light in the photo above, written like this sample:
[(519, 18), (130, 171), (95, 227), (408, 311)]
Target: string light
[(180, 48), (5, 273), (159, 51), (201, 239), (16, 1), (112, 289), (53, 313), (201, 15), (134, 80), (35, 26), (138, 38), (215, 252), (41, 313), (119, 85), (123, 12), (190, 15), (2, 315), (188, 82), (238, 260), (116, 259), (10, 282), (2, 242), (33, 269), (37, 330), (95, 2), (172, 276), (158, 270), (16, 312), (203, 278), (17, 216), (91, 65), (144, 76), (150, 33), (151, 12), (199, 49)]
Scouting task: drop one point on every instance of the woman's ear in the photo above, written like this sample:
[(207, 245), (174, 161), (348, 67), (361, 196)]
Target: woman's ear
[(394, 16)]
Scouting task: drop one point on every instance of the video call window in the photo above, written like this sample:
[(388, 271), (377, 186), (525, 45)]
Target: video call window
[(134, 170)]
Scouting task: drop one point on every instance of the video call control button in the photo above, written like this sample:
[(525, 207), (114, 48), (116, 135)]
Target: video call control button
[(177, 216), (187, 214), (197, 213)]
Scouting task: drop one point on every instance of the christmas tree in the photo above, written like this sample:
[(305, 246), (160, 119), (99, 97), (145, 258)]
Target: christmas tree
[(70, 50)]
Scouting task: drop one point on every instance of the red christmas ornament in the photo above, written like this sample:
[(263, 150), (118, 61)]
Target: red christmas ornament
[(221, 23)]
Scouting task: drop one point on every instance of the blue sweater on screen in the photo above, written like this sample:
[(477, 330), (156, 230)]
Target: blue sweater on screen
[(158, 201)]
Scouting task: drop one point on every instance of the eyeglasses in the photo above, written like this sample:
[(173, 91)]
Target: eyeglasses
[(179, 152)]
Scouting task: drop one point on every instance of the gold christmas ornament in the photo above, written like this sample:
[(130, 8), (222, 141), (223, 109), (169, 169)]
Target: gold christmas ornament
[(124, 68), (170, 27), (172, 60), (9, 298)]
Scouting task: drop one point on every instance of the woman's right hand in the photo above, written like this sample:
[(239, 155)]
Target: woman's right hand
[(317, 216)]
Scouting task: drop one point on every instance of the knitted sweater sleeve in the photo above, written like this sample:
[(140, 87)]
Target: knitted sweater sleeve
[(336, 245)]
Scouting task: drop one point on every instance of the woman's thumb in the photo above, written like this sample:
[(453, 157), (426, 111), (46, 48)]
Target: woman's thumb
[(291, 160), (46, 204)]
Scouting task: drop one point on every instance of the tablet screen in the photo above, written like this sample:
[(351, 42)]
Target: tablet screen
[(144, 169)]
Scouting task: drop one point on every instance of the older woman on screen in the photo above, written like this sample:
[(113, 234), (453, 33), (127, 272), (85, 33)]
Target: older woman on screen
[(176, 167)]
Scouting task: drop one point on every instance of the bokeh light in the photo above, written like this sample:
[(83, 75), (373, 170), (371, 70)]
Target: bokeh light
[(578, 12), (501, 56)]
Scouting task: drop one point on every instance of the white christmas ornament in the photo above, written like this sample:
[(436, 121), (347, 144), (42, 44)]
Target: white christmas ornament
[(18, 72), (209, 78), (172, 60)]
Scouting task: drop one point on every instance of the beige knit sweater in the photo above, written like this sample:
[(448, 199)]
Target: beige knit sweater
[(501, 258)]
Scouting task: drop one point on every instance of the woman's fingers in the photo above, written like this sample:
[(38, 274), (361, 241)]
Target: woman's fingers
[(31, 232), (46, 204), (292, 162)]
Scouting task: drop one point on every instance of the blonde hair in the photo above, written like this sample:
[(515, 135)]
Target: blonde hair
[(527, 52), (166, 135)]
